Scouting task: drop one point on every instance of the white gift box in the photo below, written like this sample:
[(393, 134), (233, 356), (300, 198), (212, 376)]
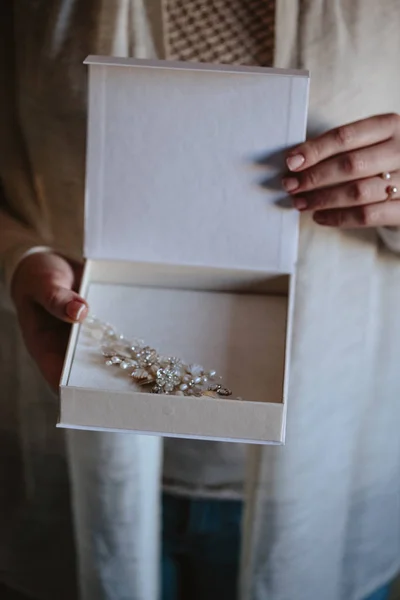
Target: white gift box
[(189, 244)]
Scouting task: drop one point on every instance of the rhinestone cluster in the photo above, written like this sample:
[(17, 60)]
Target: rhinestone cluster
[(162, 374)]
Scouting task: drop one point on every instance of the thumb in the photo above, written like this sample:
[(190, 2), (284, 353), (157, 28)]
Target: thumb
[(53, 291), (62, 303)]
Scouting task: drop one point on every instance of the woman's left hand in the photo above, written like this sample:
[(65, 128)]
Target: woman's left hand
[(350, 176)]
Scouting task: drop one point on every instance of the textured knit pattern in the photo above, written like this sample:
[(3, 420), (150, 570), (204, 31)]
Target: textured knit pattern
[(221, 31)]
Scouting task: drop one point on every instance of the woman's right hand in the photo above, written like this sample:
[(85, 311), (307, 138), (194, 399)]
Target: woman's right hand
[(43, 291)]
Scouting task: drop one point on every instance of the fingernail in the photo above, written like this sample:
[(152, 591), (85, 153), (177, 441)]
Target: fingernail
[(290, 184), (295, 162), (300, 203), (75, 310)]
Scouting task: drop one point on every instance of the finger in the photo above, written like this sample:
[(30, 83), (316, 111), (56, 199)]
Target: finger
[(366, 132), (359, 192), (357, 164), (383, 214), (47, 280), (51, 366), (53, 291), (61, 302), (51, 360), (51, 355), (46, 340)]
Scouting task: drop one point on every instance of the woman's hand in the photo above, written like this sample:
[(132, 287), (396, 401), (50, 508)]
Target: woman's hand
[(350, 176), (43, 293)]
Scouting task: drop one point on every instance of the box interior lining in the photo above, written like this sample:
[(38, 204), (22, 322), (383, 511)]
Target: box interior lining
[(234, 322)]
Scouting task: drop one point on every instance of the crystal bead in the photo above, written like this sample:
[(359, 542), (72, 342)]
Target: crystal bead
[(165, 374), (196, 370), (90, 321), (126, 364), (140, 374), (214, 388), (224, 391)]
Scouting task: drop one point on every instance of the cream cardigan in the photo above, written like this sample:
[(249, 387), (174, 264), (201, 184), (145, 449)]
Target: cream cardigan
[(323, 513)]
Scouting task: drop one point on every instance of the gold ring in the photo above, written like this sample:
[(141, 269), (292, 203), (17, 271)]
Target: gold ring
[(391, 190)]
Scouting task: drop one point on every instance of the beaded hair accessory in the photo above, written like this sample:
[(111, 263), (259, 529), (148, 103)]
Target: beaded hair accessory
[(160, 374)]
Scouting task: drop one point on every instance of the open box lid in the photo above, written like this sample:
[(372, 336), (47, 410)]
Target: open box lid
[(176, 169)]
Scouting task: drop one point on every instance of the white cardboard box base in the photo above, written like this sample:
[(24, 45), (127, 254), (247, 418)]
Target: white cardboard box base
[(233, 322)]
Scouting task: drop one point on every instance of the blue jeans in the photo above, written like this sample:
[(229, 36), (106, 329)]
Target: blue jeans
[(201, 547)]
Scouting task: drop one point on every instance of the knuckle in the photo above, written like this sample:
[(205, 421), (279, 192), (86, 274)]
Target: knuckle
[(310, 151), (341, 218), (343, 135), (352, 164), (368, 215), (360, 192), (363, 216), (315, 151), (311, 179), (319, 202), (52, 297), (323, 199)]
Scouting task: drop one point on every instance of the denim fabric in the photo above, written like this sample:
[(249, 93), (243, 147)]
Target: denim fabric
[(381, 594), (201, 548)]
